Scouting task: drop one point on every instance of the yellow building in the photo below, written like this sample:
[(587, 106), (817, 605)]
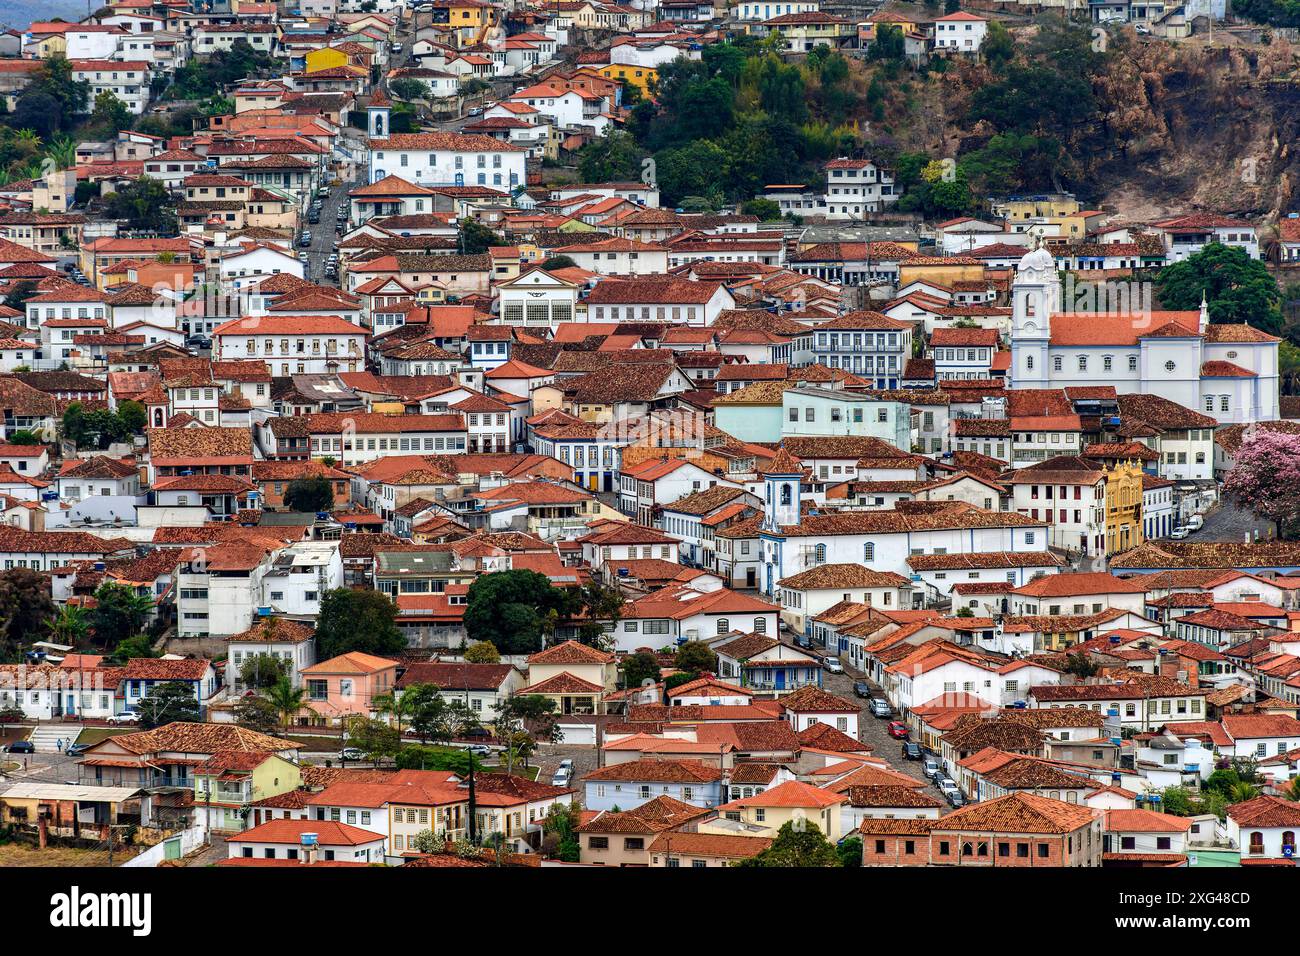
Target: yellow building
[(1123, 507), (944, 270), (326, 58), (764, 814), (639, 76), (1036, 207), (230, 781)]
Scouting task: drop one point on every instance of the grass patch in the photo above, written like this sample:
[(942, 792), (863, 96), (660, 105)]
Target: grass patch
[(93, 735)]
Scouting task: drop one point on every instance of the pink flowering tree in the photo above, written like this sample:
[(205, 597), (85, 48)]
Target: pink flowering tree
[(1265, 477)]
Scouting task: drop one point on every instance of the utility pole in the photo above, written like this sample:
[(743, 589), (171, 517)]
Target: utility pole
[(473, 804)]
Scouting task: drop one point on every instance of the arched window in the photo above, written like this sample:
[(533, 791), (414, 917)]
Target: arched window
[(1257, 842), (1056, 363), (869, 551), (1083, 363), (821, 553), (1029, 362), (786, 494), (724, 626), (1288, 840)]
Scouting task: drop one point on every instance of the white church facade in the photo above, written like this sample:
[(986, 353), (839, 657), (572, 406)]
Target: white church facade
[(1228, 371)]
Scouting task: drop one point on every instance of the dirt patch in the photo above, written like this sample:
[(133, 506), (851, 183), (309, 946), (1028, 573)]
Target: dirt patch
[(17, 854)]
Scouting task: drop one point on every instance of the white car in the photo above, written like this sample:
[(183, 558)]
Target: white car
[(1179, 532), (126, 717), (1194, 523), (833, 665)]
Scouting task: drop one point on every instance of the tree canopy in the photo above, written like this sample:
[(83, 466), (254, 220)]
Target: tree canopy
[(513, 609), (167, 703), (314, 493), (360, 620), (1236, 287)]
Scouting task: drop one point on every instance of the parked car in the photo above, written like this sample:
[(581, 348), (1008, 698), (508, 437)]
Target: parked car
[(1179, 532), (955, 798), (802, 640), (1194, 523), (353, 753), (323, 191), (862, 689), (567, 765), (881, 708), (930, 766), (833, 665), (125, 717), (21, 747), (480, 750), (944, 783), (304, 240), (911, 751), (561, 778), (76, 750), (476, 111), (898, 730)]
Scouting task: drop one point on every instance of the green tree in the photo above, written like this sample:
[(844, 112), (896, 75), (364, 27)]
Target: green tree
[(119, 612), (614, 158), (696, 656), (640, 667), (19, 292), (849, 851), (531, 715), (131, 418), (70, 625), (1081, 665), (171, 702), (24, 436), (377, 740), (362, 621), (1236, 287), (889, 43), (559, 262), (476, 238), (137, 645), (257, 713), (998, 48), (409, 88), (260, 671), (145, 204), (484, 652), (765, 209), (802, 846), (598, 605), (510, 609), (315, 493), (559, 840), (110, 115), (286, 699), (696, 169)]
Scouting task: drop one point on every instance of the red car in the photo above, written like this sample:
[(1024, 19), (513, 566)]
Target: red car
[(897, 730)]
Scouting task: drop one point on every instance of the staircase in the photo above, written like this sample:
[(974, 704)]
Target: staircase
[(45, 737)]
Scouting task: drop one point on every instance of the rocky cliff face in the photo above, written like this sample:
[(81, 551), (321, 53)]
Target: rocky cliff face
[(1201, 128)]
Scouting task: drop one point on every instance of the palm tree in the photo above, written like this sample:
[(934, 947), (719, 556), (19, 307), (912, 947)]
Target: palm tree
[(70, 626), (26, 135), (63, 150), (286, 699), (400, 707)]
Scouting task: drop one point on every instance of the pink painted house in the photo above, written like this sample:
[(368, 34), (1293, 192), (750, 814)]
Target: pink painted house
[(345, 686)]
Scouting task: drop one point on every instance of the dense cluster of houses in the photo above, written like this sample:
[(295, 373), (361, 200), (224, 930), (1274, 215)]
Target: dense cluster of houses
[(811, 445)]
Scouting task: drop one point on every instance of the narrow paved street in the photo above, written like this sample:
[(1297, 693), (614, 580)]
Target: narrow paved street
[(874, 732), (1231, 522)]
